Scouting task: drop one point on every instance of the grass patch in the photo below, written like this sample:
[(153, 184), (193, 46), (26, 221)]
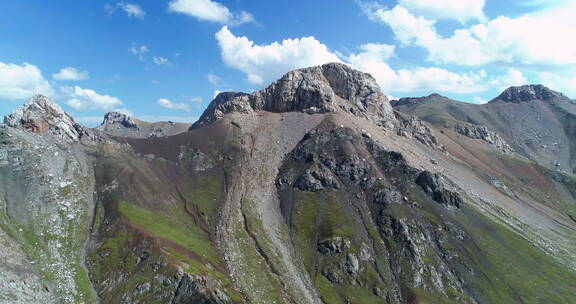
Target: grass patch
[(207, 195), (187, 236), (516, 270)]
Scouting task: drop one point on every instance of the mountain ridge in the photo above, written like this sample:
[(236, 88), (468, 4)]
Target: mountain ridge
[(267, 201)]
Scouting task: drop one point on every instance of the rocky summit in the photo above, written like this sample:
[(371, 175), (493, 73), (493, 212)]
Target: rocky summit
[(328, 88), (42, 115), (529, 92), (313, 190)]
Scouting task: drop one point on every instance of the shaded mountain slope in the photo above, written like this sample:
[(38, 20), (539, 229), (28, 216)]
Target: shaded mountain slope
[(273, 202)]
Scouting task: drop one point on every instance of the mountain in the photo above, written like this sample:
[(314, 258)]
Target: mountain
[(313, 190), (122, 125), (533, 120)]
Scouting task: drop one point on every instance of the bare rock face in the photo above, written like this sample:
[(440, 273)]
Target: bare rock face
[(483, 133), (327, 88), (528, 93), (119, 119), (42, 115)]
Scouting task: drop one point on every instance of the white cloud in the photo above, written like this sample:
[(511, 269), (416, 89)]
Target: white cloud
[(265, 63), (196, 99), (71, 73), (561, 81), (511, 78), (539, 38), (479, 100), (216, 92), (131, 10), (22, 81), (461, 10), (209, 10), (372, 59), (85, 99), (139, 51), (214, 79), (161, 61), (165, 103)]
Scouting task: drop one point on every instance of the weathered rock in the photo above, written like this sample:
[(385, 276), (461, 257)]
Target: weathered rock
[(434, 186), (327, 88), (119, 119), (316, 179), (198, 291), (42, 115), (529, 92), (332, 275), (410, 126), (352, 168), (334, 245), (352, 265), (483, 133)]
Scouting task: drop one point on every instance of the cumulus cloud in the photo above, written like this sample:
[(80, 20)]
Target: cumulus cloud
[(562, 81), (372, 59), (70, 73), (539, 38), (512, 77), (264, 63), (161, 61), (208, 10), (85, 99), (131, 10), (460, 10), (22, 81), (415, 79), (139, 51), (166, 103)]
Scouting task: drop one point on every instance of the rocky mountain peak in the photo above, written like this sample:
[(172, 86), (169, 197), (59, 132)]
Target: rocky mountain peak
[(41, 115), (528, 93), (119, 119), (321, 89)]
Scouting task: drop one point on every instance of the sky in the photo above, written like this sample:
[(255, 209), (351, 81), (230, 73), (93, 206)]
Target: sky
[(166, 59)]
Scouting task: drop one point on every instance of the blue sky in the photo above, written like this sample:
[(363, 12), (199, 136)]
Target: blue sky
[(165, 59)]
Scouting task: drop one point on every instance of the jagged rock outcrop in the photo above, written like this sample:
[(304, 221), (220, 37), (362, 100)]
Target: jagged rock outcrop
[(119, 119), (434, 186), (529, 92), (411, 126), (327, 88), (334, 245), (483, 133), (41, 115)]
